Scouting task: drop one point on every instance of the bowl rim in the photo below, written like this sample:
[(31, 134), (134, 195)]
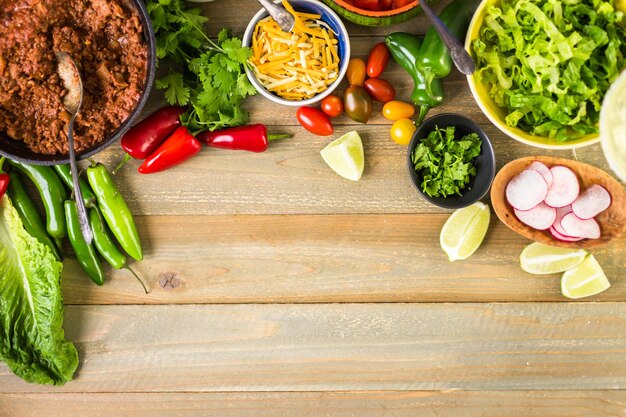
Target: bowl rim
[(247, 40), (487, 151), (151, 64), (373, 13), (485, 103)]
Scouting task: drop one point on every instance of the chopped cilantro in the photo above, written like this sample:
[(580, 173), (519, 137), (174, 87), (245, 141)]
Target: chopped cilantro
[(445, 164), (206, 75)]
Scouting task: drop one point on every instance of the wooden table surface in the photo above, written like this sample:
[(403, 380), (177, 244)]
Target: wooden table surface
[(295, 292)]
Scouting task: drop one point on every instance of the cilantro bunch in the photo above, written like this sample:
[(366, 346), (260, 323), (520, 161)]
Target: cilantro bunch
[(446, 164), (204, 74)]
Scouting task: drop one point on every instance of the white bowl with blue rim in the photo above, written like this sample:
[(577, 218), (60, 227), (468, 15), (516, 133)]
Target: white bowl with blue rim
[(343, 42)]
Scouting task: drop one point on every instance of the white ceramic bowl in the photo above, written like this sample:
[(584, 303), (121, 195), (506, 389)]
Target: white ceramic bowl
[(329, 17)]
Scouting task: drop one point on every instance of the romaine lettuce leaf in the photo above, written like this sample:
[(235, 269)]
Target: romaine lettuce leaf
[(550, 62), (32, 341)]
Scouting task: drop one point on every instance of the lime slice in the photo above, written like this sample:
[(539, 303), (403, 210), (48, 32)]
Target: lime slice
[(464, 231), (538, 258), (613, 126), (345, 156), (584, 280)]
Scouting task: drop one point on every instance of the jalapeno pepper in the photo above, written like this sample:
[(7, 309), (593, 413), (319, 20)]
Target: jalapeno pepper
[(4, 179), (253, 138), (65, 174), (176, 149), (52, 193), (105, 245), (85, 252), (404, 48), (146, 136), (115, 210), (28, 213), (433, 59)]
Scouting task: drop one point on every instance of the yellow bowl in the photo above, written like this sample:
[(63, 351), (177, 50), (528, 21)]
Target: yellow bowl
[(497, 114)]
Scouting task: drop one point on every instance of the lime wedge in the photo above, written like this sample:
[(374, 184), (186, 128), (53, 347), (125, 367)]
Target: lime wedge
[(464, 231), (345, 156), (584, 280), (613, 126), (541, 259)]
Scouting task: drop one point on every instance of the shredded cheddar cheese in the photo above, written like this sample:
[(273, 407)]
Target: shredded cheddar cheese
[(296, 65)]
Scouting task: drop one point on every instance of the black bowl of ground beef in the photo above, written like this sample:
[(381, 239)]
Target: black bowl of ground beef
[(113, 45)]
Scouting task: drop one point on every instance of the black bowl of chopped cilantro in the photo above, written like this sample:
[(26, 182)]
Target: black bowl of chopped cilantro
[(451, 161)]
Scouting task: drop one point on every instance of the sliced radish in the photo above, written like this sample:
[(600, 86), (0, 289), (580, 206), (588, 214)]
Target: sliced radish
[(577, 227), (526, 190), (564, 238), (592, 201), (540, 217), (543, 170), (565, 187), (560, 213)]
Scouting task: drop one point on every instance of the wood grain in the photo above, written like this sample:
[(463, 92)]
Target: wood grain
[(330, 258), (314, 404), (329, 347)]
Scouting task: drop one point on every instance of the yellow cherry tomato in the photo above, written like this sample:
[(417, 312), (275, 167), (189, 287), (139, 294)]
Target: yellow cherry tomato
[(356, 72), (402, 131), (396, 110)]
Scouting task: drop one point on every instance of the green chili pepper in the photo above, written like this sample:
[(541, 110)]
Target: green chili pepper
[(105, 245), (52, 193), (115, 210), (404, 48), (65, 174), (85, 253), (29, 215), (433, 59)]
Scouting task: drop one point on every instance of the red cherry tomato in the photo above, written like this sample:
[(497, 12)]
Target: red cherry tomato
[(385, 4), (356, 72), (332, 106), (379, 89), (314, 121), (366, 4), (377, 60), (358, 104)]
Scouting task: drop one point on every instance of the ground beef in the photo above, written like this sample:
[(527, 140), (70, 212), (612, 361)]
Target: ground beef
[(105, 39)]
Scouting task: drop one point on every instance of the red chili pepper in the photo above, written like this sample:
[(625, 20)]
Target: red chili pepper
[(253, 138), (177, 148), (4, 179), (143, 138)]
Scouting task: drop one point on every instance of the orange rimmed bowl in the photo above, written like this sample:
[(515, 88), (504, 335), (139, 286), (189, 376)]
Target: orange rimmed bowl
[(372, 18)]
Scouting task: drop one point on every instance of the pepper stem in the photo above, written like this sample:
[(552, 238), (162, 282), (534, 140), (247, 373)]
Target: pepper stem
[(119, 166), (136, 276), (275, 136), (2, 159), (423, 112)]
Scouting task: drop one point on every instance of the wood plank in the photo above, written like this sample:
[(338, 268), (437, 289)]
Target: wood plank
[(330, 347), (313, 404), (349, 258)]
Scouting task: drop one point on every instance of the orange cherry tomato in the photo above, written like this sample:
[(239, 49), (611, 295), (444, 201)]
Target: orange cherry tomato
[(332, 105), (402, 131), (396, 110), (356, 72), (377, 61), (379, 89)]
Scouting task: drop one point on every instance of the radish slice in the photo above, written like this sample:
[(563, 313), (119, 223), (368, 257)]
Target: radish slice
[(560, 213), (564, 238), (540, 217), (576, 227), (526, 190), (543, 170), (592, 201), (565, 187)]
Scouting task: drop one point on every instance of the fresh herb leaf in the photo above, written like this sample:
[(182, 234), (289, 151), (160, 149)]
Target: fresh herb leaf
[(445, 164), (175, 90)]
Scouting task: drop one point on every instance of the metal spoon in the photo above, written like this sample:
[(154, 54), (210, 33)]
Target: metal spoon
[(283, 18), (72, 101), (462, 60)]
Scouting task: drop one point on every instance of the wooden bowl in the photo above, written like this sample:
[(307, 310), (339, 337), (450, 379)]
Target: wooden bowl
[(612, 221)]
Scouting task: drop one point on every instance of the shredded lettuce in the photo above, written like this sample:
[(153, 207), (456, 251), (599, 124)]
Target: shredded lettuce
[(550, 62), (32, 341)]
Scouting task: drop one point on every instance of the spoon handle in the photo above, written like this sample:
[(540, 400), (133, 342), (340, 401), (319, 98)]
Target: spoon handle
[(78, 195), (462, 60), (283, 18)]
